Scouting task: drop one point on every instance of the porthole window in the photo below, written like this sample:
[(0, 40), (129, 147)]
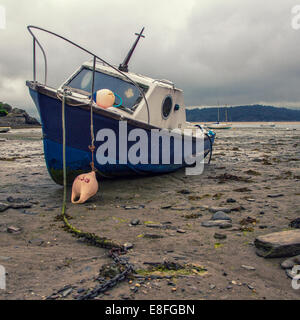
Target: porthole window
[(167, 107)]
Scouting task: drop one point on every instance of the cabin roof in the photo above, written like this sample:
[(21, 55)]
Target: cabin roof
[(134, 76)]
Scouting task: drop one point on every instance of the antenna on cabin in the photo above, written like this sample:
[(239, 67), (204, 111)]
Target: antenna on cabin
[(124, 65)]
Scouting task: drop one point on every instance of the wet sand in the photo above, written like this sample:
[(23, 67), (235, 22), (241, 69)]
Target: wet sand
[(248, 165)]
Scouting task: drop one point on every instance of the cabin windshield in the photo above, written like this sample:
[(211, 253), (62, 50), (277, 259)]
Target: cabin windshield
[(129, 93)]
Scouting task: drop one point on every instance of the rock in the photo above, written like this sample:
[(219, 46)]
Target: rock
[(248, 267), (220, 236), (216, 223), (220, 215), (3, 258), (215, 209), (248, 220), (153, 225), (291, 273), (244, 189), (66, 292), (141, 206), (80, 290), (29, 213), (135, 222), (181, 231), (128, 245), (184, 191), (230, 200), (3, 206), (295, 223), (278, 244), (153, 236), (13, 229), (276, 195), (20, 205), (36, 242), (289, 263)]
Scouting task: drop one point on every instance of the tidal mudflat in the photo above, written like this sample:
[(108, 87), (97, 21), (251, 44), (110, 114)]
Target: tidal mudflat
[(192, 237)]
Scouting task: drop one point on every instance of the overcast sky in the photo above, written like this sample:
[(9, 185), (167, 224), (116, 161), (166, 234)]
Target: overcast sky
[(228, 51)]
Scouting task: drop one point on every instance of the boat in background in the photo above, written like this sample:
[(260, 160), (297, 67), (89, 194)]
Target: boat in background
[(4, 129), (268, 125), (218, 124)]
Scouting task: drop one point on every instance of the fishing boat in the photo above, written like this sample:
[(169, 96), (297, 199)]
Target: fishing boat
[(142, 103), (4, 129), (268, 125), (218, 124)]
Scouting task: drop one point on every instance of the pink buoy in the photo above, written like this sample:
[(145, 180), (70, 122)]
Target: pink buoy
[(84, 187), (105, 98)]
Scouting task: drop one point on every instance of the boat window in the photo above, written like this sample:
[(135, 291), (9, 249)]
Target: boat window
[(129, 93), (167, 107)]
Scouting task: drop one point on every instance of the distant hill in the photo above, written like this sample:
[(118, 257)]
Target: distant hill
[(244, 113)]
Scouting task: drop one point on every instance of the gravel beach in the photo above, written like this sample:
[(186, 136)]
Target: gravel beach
[(203, 225)]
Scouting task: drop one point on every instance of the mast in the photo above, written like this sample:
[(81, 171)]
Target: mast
[(124, 65)]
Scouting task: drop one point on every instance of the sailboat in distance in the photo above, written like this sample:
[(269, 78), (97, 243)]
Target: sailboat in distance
[(218, 124)]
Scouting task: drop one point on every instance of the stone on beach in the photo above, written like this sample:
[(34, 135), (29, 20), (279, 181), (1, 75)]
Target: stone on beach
[(278, 244), (215, 209), (217, 223), (289, 263), (295, 223), (3, 206), (220, 215)]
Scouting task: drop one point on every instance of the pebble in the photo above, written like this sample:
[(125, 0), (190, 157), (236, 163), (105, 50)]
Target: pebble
[(230, 200), (220, 236), (295, 223), (291, 273), (29, 213), (36, 242), (134, 222), (181, 231), (3, 206), (3, 258), (276, 195), (214, 210), (67, 292), (248, 267), (141, 206), (128, 245), (13, 229), (289, 263), (220, 215), (216, 223), (21, 205), (153, 236)]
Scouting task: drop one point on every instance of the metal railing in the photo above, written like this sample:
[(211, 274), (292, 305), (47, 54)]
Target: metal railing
[(95, 57)]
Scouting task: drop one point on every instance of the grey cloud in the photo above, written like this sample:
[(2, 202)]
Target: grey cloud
[(235, 52)]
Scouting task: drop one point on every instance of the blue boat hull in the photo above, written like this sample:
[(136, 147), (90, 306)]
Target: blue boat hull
[(78, 155)]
